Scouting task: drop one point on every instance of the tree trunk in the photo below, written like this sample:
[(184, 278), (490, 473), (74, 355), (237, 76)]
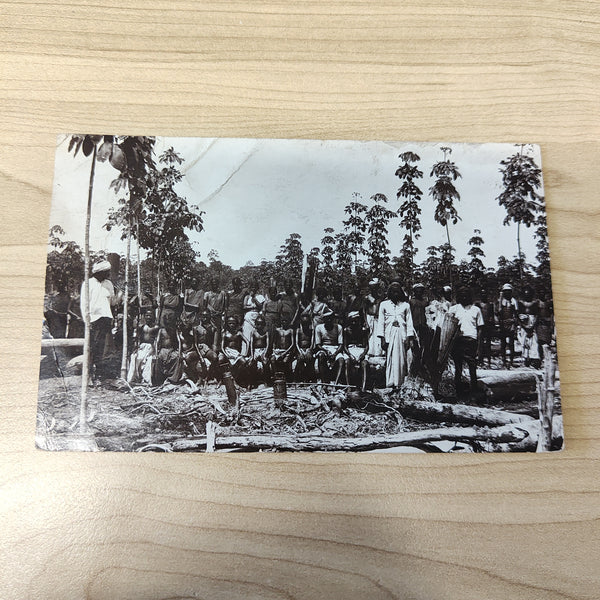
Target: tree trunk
[(308, 442), (519, 250), (459, 413), (126, 304), (139, 277), (85, 372), (546, 391)]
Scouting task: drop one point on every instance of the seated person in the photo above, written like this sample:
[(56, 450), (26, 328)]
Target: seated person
[(140, 362), (329, 348), (204, 343), (283, 347), (304, 365), (168, 365), (231, 348), (356, 344), (259, 349)]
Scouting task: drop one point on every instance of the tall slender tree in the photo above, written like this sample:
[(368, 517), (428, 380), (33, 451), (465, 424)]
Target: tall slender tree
[(377, 217), (410, 195), (137, 172), (290, 259), (543, 256), (355, 227), (521, 179), (89, 146), (327, 254), (476, 266), (445, 194)]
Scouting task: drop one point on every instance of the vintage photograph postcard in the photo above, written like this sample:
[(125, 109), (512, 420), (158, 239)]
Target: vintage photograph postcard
[(254, 295)]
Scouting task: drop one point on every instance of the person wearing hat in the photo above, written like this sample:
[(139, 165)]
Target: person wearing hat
[(507, 321), (396, 331), (102, 298)]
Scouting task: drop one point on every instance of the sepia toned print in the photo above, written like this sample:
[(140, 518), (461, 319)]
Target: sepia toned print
[(227, 295)]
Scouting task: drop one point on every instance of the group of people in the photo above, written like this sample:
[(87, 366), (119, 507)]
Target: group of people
[(196, 335)]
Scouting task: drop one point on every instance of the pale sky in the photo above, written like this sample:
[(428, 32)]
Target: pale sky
[(256, 192)]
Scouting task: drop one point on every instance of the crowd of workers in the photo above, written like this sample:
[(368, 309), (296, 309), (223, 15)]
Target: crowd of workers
[(377, 334)]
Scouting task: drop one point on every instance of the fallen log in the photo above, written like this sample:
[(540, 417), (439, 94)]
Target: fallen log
[(459, 413), (62, 343), (500, 385), (313, 443), (530, 442)]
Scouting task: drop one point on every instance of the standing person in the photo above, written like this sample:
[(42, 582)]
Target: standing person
[(235, 300), (528, 311), (338, 306), (289, 304), (318, 308), (102, 299), (484, 349), (253, 303), (396, 331), (370, 307), (170, 308), (271, 311), (215, 301), (464, 350), (193, 304), (418, 303), (507, 321)]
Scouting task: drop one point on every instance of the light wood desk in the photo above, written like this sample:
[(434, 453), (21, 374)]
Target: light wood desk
[(150, 526)]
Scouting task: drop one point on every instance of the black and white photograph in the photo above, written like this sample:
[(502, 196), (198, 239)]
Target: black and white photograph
[(271, 295)]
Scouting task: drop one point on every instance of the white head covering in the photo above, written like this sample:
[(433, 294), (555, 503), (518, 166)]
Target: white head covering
[(447, 288), (100, 267), (507, 286)]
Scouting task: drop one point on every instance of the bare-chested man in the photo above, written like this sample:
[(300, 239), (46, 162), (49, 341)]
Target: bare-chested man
[(528, 312), (231, 348), (304, 368), (140, 365), (215, 302), (259, 351), (204, 344), (169, 363), (356, 345), (507, 321), (283, 348), (329, 348)]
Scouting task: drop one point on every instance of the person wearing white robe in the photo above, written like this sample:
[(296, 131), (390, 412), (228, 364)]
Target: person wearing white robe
[(396, 331)]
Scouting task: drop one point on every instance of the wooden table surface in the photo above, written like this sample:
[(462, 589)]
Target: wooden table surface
[(158, 526)]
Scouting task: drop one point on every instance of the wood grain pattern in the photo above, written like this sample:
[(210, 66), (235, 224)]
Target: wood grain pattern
[(117, 526)]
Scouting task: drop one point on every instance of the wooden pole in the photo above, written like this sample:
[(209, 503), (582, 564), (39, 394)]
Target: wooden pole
[(85, 371), (546, 401), (126, 304), (210, 436)]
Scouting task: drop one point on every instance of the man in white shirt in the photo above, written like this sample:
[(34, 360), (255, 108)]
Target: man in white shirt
[(464, 350), (102, 298)]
